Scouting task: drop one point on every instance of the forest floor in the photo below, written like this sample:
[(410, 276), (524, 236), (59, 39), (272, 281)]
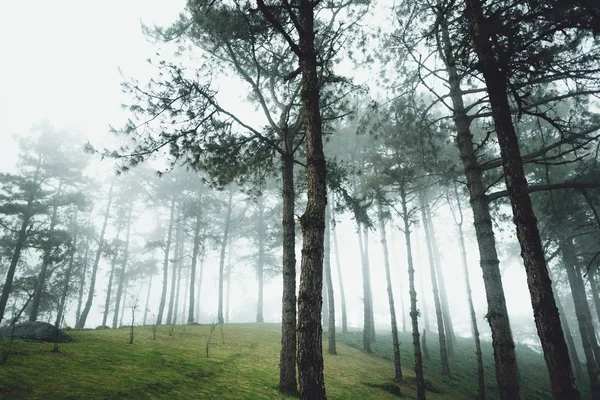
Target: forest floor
[(243, 363)]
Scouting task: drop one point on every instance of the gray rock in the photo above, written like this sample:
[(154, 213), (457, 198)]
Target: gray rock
[(37, 331)]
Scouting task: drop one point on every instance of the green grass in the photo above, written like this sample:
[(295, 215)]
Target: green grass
[(102, 365), (535, 384)]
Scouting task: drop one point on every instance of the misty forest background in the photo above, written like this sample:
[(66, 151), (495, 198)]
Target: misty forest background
[(458, 185)]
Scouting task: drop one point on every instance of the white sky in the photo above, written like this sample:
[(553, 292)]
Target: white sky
[(60, 61)]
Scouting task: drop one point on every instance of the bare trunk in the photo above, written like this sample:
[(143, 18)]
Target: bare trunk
[(474, 327), (448, 326), (113, 263), (584, 316), (224, 242), (175, 266), (261, 260), (329, 285), (568, 336), (366, 297), (163, 296), (88, 304), (310, 345), (425, 310), (507, 374), (227, 309), (594, 288), (414, 311), (201, 275), (436, 298), (390, 293), (338, 267), (287, 361), (545, 312), (123, 266), (147, 308), (195, 252), (82, 272), (67, 281), (46, 263)]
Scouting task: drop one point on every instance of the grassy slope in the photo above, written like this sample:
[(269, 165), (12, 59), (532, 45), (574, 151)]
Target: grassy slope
[(102, 365), (535, 384)]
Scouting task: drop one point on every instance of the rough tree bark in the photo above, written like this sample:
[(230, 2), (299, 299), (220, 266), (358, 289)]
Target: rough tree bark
[(545, 312), (310, 345), (287, 360), (163, 295), (88, 304), (390, 293), (507, 374)]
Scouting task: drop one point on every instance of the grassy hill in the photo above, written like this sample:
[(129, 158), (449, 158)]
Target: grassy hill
[(242, 364), (534, 380)]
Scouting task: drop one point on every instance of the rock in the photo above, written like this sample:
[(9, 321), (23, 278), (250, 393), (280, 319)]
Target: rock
[(37, 331)]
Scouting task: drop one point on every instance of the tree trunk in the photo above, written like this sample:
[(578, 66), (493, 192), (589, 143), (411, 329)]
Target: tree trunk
[(123, 306), (366, 285), (178, 266), (113, 263), (507, 374), (584, 316), (338, 267), (568, 336), (195, 251), (388, 277), (370, 291), (147, 308), (224, 241), (163, 296), (545, 312), (310, 345), (425, 311), (414, 311), (329, 285), (287, 361), (175, 266), (448, 326), (83, 271), (46, 263), (436, 298), (65, 292), (474, 327), (123, 267), (88, 304), (186, 285), (594, 288), (201, 275), (261, 259), (228, 282)]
